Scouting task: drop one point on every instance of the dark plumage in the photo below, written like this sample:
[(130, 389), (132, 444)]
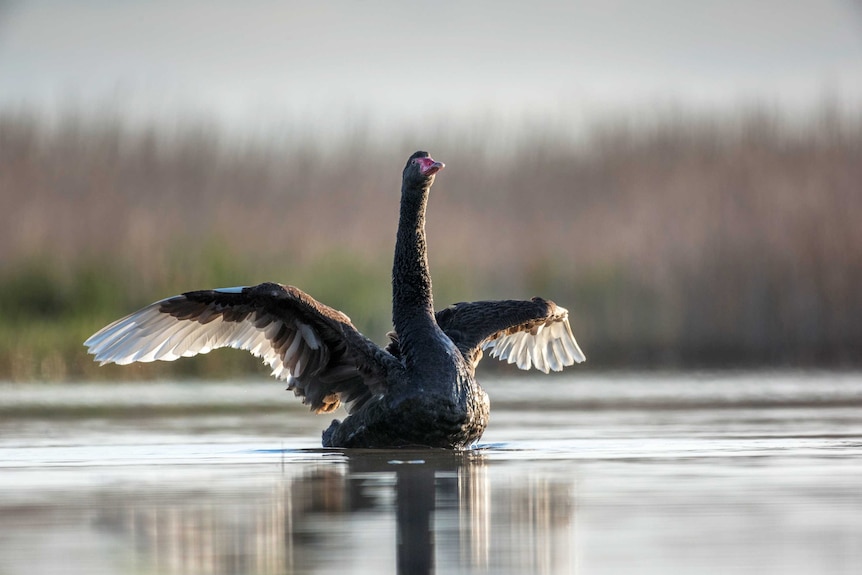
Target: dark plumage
[(419, 391)]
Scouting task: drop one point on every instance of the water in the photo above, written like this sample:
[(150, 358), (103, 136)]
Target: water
[(619, 473)]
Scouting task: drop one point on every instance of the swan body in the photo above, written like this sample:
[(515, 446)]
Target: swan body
[(420, 390)]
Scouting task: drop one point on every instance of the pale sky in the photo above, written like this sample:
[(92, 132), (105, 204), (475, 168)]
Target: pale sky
[(253, 62)]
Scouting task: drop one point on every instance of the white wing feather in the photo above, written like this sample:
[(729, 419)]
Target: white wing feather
[(550, 346), (150, 335)]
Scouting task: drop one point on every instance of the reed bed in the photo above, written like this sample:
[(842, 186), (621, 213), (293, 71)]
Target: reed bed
[(686, 241)]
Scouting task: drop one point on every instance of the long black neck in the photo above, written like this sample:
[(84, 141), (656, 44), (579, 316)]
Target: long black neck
[(412, 303)]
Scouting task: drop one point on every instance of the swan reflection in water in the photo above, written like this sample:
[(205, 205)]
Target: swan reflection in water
[(422, 511)]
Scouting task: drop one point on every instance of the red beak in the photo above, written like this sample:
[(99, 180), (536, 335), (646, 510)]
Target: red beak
[(428, 167)]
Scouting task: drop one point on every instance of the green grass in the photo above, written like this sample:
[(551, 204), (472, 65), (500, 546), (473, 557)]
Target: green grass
[(50, 308), (49, 314)]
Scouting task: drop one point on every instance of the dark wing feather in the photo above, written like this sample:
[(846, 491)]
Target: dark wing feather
[(533, 333), (325, 360)]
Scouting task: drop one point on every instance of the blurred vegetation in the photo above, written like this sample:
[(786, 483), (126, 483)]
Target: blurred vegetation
[(681, 241)]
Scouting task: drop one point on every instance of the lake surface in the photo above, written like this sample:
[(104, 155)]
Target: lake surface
[(617, 473)]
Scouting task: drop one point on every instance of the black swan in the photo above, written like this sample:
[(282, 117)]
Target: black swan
[(418, 391)]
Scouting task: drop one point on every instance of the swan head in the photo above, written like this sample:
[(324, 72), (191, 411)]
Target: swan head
[(420, 169)]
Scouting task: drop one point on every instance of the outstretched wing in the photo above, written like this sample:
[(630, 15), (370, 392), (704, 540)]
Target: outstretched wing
[(315, 348), (533, 333)]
